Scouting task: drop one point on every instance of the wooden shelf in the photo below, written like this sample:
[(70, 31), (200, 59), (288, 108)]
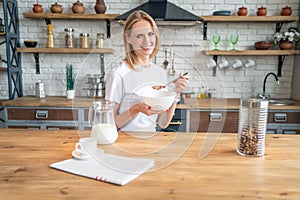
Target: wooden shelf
[(69, 16), (251, 52), (37, 51), (66, 50), (279, 20), (280, 53), (3, 69), (250, 18)]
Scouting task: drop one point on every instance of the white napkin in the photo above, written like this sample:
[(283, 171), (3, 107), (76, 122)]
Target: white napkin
[(110, 168)]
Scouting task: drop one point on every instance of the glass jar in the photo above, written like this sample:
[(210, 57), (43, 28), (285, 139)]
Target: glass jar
[(85, 40), (69, 38), (100, 40), (253, 114)]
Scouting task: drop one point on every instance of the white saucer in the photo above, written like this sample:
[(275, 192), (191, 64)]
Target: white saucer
[(84, 156)]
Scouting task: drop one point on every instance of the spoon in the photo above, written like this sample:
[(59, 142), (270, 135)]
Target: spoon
[(158, 87)]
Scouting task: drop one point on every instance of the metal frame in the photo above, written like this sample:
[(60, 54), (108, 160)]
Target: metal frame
[(12, 41)]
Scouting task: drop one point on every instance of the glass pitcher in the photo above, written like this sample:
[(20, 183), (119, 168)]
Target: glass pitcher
[(101, 118)]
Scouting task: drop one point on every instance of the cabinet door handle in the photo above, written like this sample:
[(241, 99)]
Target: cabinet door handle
[(289, 132), (175, 123), (41, 114), (280, 117), (215, 117)]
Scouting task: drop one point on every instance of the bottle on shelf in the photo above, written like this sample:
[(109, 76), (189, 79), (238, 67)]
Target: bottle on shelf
[(50, 42)]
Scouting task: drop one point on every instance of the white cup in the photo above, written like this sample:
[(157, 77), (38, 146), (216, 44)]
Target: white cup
[(237, 64), (85, 147), (250, 63), (224, 63), (70, 94), (211, 63)]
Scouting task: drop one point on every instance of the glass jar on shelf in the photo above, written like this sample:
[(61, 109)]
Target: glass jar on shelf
[(85, 40), (100, 40), (69, 38)]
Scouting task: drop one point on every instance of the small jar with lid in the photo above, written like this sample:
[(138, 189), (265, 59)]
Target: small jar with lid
[(69, 38), (100, 40), (85, 40)]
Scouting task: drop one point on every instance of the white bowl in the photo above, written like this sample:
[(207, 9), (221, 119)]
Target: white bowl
[(158, 99)]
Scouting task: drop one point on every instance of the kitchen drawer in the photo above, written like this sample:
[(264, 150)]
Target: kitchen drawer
[(284, 117), (213, 121), (41, 114)]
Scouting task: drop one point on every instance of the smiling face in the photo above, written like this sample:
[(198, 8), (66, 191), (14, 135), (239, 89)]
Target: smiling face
[(142, 40)]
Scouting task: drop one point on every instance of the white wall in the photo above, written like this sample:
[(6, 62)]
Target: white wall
[(187, 42)]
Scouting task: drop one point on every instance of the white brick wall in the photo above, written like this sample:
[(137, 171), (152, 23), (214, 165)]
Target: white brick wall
[(187, 42)]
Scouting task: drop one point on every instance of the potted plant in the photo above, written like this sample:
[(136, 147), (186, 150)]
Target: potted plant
[(287, 38), (70, 81)]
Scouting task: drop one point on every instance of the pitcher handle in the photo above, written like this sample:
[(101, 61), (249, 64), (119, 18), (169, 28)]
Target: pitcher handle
[(90, 115)]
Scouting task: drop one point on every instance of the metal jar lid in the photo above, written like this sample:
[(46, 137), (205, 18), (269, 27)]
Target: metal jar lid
[(69, 29), (254, 103), (84, 35)]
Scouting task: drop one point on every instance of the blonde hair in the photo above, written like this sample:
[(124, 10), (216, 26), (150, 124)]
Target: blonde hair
[(133, 18)]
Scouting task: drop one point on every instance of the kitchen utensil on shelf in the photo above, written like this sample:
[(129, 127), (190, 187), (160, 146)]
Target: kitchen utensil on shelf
[(242, 11), (158, 87), (78, 7), (222, 13), (216, 39), (237, 63), (37, 8), (96, 86), (234, 39), (166, 62), (224, 63), (250, 63), (262, 11), (262, 45), (30, 43), (286, 11), (56, 8)]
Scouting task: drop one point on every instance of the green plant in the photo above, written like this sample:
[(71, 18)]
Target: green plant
[(291, 35), (70, 77)]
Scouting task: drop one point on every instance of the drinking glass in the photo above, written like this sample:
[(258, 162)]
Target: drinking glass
[(234, 39), (216, 40)]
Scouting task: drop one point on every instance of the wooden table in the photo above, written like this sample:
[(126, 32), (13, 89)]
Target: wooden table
[(223, 174)]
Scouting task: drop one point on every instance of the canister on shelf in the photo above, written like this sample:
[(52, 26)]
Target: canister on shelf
[(253, 115), (69, 38), (100, 40), (85, 40), (40, 89)]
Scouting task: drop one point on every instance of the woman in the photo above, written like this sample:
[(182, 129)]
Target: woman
[(142, 42)]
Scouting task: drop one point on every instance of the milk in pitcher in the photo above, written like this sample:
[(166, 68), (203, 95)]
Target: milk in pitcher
[(104, 133)]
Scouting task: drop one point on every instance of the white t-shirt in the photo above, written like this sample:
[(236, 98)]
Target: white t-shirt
[(122, 85)]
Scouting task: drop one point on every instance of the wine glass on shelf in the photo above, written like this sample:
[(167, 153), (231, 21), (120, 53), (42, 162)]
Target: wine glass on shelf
[(216, 39), (234, 39)]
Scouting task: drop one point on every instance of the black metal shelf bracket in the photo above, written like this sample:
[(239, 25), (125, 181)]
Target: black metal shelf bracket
[(102, 65), (280, 63), (204, 30), (278, 26), (215, 57), (107, 28), (37, 62)]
